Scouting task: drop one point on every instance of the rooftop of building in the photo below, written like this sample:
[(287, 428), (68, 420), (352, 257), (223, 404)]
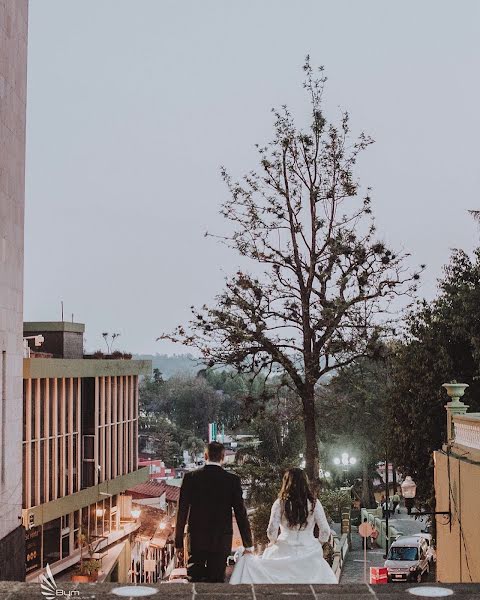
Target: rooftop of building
[(222, 591), (150, 489), (154, 489), (35, 326), (39, 368)]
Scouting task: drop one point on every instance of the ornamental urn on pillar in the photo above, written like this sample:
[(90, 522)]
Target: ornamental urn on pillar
[(455, 406)]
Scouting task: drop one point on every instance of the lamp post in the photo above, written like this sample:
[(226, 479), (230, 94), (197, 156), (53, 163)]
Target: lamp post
[(409, 491), (346, 461), (303, 462)]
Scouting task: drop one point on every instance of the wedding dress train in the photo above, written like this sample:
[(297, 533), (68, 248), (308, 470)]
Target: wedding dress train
[(294, 556)]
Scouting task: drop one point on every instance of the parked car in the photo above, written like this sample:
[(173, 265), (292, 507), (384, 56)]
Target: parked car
[(408, 559), (178, 575), (432, 555)]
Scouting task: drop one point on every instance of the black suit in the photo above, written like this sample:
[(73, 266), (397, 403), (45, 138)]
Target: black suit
[(207, 497)]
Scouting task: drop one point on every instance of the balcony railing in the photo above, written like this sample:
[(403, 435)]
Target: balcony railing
[(467, 430)]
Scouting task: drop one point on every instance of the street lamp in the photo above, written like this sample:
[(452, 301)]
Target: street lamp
[(409, 491), (302, 461), (346, 461)]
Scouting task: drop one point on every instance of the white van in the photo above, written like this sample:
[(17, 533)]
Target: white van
[(408, 559)]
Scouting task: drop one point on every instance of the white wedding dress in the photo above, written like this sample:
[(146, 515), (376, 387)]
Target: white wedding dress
[(294, 556)]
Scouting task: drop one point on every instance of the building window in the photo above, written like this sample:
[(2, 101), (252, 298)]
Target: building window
[(51, 542), (65, 532), (76, 529), (42, 471)]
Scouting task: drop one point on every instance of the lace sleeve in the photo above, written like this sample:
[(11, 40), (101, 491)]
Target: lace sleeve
[(321, 522), (274, 523)]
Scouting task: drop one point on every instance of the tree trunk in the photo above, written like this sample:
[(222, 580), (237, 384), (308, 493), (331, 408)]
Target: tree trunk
[(312, 461), (365, 486)]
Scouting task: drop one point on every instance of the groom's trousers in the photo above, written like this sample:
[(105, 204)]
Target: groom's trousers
[(207, 566)]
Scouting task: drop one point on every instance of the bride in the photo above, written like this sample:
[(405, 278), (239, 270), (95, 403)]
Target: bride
[(294, 556)]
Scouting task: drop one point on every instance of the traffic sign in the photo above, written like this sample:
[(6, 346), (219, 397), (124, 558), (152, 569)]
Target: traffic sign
[(365, 530)]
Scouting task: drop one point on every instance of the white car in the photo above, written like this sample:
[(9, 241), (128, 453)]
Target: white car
[(407, 559), (431, 554)]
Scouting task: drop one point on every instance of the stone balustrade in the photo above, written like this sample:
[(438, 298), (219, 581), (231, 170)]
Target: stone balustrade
[(467, 430)]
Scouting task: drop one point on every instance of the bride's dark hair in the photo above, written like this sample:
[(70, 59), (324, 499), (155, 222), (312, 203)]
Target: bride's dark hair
[(295, 495)]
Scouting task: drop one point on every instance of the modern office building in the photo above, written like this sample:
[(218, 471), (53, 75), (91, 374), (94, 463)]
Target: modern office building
[(80, 441), (13, 63)]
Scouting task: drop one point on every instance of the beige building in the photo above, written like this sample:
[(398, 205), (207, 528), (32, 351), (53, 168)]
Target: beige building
[(457, 490), (79, 453), (13, 66)]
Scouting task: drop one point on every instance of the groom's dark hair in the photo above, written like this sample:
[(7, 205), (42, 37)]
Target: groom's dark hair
[(215, 451)]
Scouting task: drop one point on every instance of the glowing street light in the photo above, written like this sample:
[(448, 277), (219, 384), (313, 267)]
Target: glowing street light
[(346, 461)]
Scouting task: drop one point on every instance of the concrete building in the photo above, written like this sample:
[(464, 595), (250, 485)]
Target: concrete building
[(457, 485), (13, 63), (80, 443)]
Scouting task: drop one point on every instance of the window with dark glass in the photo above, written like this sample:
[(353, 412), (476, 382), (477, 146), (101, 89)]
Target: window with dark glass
[(50, 404), (51, 469), (42, 408), (42, 471), (51, 542), (33, 411)]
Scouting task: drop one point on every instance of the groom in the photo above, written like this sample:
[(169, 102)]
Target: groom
[(207, 498)]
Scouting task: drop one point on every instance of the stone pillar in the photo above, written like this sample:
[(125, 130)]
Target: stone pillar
[(13, 82), (455, 406)]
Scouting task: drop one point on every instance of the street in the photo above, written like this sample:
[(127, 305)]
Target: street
[(353, 570)]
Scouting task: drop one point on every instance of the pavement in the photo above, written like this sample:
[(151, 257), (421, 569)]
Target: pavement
[(223, 591), (353, 569)]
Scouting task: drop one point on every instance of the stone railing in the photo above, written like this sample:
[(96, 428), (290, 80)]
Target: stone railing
[(371, 514), (341, 547), (467, 430)]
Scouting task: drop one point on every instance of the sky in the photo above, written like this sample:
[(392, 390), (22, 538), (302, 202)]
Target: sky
[(133, 105)]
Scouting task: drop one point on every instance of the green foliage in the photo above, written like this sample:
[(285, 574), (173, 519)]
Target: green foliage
[(163, 437), (334, 502), (442, 344), (259, 523)]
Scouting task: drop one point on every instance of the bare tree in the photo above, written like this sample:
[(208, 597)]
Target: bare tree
[(326, 285), (475, 214)]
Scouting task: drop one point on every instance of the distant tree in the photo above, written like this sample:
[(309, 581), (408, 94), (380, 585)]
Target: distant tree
[(322, 299), (191, 403), (194, 446), (152, 394), (162, 436), (442, 344)]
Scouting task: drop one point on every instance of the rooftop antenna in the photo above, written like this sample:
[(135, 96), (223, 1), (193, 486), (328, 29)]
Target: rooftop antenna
[(61, 302)]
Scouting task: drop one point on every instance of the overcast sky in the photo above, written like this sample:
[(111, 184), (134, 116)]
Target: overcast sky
[(134, 104)]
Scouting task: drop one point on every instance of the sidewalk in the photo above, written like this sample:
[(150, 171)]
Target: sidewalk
[(353, 567)]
